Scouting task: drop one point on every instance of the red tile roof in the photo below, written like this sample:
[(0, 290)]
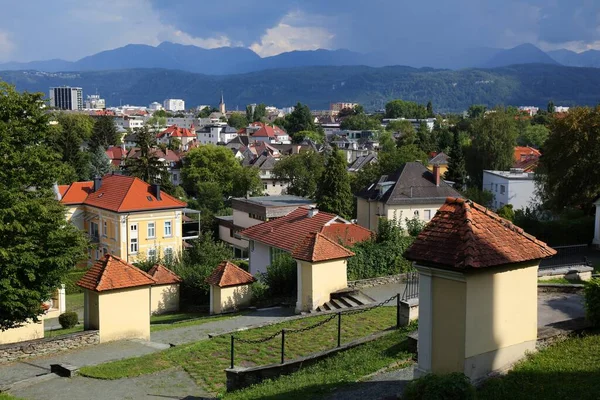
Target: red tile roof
[(110, 273), (176, 131), (228, 274), (119, 193), (163, 275), (525, 152), (317, 247), (286, 232), (465, 235)]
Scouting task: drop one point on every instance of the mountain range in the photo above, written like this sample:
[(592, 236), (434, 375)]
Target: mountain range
[(236, 60), (449, 90)]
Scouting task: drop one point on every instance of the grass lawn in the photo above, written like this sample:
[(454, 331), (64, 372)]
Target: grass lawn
[(180, 320), (6, 396), (206, 360), (565, 370), (74, 302), (560, 281), (58, 332)]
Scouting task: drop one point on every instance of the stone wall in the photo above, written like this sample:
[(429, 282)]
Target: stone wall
[(382, 280), (39, 347)]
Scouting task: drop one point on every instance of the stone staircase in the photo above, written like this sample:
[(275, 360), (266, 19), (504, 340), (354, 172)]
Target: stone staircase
[(345, 299)]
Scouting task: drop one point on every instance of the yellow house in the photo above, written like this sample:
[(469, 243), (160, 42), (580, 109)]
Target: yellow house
[(229, 288), (165, 292), (127, 217), (411, 192), (440, 161), (117, 300), (477, 291)]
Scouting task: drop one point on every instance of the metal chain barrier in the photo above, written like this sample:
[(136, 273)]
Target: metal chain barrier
[(308, 328), (383, 303), (257, 341)]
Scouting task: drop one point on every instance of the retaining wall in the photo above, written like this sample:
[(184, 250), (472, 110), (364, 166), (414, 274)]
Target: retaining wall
[(39, 347), (382, 280)]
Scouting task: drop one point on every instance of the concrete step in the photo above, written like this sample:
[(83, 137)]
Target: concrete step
[(337, 304), (27, 382), (362, 299)]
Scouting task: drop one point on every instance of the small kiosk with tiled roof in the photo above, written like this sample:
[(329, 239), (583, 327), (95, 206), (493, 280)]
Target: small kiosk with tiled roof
[(165, 292), (477, 290), (322, 270), (229, 288), (117, 299)]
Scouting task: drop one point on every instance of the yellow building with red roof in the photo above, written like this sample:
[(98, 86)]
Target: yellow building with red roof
[(127, 217)]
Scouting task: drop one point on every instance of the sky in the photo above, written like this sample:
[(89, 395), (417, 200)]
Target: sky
[(71, 29)]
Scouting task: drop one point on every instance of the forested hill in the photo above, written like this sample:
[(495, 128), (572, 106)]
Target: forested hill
[(528, 84)]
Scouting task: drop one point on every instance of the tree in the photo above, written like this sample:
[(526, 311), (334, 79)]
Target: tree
[(104, 132), (99, 162), (494, 140), (299, 120), (550, 108), (476, 111), (174, 144), (457, 169), (533, 135), (37, 245), (147, 165), (430, 113), (482, 197), (333, 190), (402, 126), (302, 172), (425, 139), (392, 161), (360, 122), (507, 212), (206, 111), (567, 174), (69, 137), (238, 121), (315, 136), (405, 109), (260, 112)]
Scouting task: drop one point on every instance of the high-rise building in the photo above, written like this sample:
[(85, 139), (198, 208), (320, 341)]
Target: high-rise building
[(94, 102), (174, 105), (66, 98)]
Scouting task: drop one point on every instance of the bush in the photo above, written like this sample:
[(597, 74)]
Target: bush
[(68, 320), (260, 293), (592, 301), (571, 227), (71, 279), (448, 387), (281, 276)]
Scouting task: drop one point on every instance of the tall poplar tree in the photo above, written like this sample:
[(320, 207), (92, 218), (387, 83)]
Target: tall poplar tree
[(333, 192)]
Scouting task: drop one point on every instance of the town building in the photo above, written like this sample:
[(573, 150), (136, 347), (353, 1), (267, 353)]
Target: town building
[(440, 159), (335, 108), (66, 98), (94, 102), (411, 192), (127, 217), (174, 105), (515, 187), (362, 162), (252, 211), (271, 239), (155, 106), (184, 135), (415, 122), (526, 158)]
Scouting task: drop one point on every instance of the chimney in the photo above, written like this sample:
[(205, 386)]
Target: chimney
[(97, 183), (312, 212), (436, 174), (156, 190)]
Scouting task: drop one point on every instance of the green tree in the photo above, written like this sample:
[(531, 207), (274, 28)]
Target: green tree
[(457, 169), (316, 136), (104, 132), (430, 113), (333, 191), (476, 111), (425, 139), (507, 212), (386, 142), (299, 120), (402, 125), (37, 245), (390, 162), (550, 108), (260, 112), (147, 165), (533, 135), (482, 197), (302, 172), (405, 109), (174, 144), (567, 174), (69, 137), (99, 162), (494, 140), (360, 122), (206, 111), (238, 121)]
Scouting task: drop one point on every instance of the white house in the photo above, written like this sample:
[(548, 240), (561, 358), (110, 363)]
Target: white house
[(174, 104), (510, 187)]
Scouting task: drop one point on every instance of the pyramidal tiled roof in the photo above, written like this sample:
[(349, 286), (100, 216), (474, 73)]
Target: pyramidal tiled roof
[(111, 272), (228, 274), (465, 235), (317, 247), (163, 275)]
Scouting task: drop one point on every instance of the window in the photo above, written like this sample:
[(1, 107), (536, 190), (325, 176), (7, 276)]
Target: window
[(252, 245), (264, 186), (93, 229), (104, 251), (151, 230), (133, 245), (168, 254), (168, 231), (276, 254), (502, 189), (416, 214), (152, 254), (427, 215), (231, 232), (133, 228), (175, 178), (104, 228), (496, 187)]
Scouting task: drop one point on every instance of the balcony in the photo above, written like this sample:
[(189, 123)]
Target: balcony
[(190, 224)]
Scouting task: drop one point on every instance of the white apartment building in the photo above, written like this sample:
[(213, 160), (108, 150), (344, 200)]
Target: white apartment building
[(131, 123), (94, 102), (155, 106), (510, 187), (66, 98), (174, 105)]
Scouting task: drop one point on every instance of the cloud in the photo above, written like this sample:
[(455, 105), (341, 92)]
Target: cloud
[(6, 46), (285, 37)]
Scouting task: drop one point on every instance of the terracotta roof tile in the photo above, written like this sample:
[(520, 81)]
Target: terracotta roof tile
[(163, 275), (120, 193), (110, 273), (465, 235), (317, 247), (286, 232), (228, 274)]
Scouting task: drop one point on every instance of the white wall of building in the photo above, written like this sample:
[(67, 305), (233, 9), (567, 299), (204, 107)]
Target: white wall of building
[(516, 188), (174, 104), (260, 257)]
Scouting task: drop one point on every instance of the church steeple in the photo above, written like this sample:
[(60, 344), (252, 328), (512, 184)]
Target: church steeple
[(222, 104)]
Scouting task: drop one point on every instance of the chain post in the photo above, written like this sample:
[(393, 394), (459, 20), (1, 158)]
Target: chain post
[(232, 354), (282, 346), (398, 311), (339, 329)]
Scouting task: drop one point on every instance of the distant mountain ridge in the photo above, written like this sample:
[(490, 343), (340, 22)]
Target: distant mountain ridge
[(526, 84), (236, 60)]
